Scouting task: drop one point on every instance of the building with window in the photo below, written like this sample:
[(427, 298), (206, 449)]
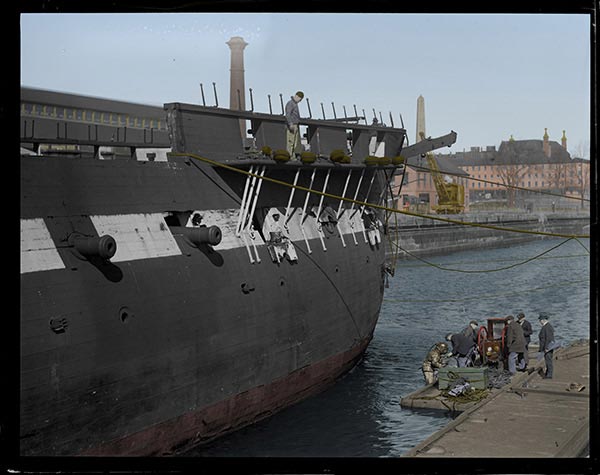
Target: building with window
[(528, 165)]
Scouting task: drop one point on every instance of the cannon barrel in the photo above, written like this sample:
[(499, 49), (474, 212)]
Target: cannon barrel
[(104, 247), (203, 235)]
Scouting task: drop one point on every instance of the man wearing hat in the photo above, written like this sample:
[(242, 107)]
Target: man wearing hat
[(461, 345), (470, 332), (292, 118), (527, 331), (515, 345), (547, 343)]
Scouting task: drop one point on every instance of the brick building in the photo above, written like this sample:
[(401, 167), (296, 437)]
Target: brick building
[(540, 165)]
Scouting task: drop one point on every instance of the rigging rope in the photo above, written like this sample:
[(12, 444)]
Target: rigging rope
[(437, 266), (372, 205), (568, 256), (488, 296)]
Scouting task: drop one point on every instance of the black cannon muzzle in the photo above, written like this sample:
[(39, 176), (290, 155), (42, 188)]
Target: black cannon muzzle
[(104, 247), (203, 235)]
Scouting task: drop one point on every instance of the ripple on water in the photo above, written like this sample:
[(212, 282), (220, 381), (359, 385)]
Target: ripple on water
[(360, 415)]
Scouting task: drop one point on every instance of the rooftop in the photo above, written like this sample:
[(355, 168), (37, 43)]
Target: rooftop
[(512, 152)]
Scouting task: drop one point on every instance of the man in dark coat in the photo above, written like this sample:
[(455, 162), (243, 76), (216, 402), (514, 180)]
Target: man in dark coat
[(471, 332), (547, 344), (527, 332), (515, 345), (461, 346)]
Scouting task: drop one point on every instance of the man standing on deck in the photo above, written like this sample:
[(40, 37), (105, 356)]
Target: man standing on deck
[(527, 332), (547, 344), (292, 119), (515, 345)]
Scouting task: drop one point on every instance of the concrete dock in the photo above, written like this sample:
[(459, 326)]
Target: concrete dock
[(550, 415)]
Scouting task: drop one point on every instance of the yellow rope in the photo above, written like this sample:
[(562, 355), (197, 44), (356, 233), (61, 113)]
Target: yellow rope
[(372, 205)]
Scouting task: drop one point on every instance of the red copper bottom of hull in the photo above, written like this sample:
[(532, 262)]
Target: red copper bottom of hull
[(194, 428)]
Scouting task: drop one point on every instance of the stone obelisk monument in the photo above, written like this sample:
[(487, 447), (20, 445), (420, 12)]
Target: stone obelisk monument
[(420, 118), (237, 88)]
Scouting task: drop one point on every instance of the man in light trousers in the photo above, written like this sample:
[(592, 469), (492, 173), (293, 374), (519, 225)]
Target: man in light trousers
[(292, 119)]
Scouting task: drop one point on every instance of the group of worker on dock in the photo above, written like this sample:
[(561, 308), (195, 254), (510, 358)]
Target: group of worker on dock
[(503, 340)]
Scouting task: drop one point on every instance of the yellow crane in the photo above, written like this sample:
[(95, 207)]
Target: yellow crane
[(451, 196)]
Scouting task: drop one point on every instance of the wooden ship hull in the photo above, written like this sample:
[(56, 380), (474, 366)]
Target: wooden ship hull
[(159, 309)]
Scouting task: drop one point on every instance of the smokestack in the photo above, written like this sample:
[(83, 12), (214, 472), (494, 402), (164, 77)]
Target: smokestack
[(563, 140), (237, 100), (420, 118)]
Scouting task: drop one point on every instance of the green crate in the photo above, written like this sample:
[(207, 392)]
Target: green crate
[(477, 377)]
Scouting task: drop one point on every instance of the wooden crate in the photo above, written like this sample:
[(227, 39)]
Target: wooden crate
[(477, 377)]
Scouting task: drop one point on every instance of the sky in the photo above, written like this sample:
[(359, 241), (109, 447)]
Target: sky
[(485, 76)]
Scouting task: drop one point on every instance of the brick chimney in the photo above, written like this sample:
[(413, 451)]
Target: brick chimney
[(546, 144), (563, 140), (237, 100)]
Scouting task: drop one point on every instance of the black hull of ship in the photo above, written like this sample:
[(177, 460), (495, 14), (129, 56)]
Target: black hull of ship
[(152, 355)]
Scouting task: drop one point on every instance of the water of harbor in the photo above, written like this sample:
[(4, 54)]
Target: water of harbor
[(360, 416)]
